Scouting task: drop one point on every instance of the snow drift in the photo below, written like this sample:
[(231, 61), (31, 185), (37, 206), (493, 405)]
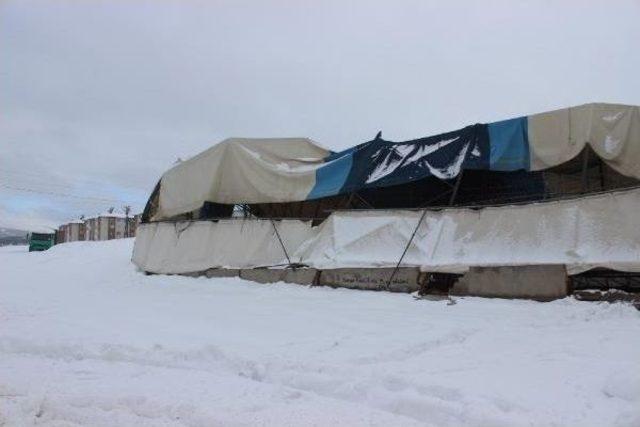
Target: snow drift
[(87, 340)]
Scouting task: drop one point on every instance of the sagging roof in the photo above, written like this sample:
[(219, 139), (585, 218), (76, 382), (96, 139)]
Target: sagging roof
[(239, 171)]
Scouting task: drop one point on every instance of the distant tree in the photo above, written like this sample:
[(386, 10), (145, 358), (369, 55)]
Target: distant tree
[(82, 217), (111, 209)]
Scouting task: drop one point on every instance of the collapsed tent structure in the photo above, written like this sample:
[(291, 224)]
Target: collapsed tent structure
[(541, 193)]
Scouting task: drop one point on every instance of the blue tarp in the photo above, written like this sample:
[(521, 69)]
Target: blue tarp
[(499, 146)]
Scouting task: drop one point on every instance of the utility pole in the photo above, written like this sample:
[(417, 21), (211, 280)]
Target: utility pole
[(127, 210)]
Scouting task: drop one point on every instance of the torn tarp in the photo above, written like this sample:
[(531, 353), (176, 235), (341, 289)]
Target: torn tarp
[(283, 170), (381, 163)]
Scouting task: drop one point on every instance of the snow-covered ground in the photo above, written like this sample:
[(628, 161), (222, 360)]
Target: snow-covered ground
[(87, 340)]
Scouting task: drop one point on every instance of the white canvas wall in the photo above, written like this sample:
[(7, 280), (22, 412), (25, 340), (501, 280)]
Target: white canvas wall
[(184, 247), (599, 230)]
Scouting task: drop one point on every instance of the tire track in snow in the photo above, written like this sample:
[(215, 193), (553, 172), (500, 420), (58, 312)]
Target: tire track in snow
[(364, 382)]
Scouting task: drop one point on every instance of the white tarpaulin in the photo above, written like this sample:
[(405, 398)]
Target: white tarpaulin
[(240, 170), (190, 246), (612, 131), (596, 231)]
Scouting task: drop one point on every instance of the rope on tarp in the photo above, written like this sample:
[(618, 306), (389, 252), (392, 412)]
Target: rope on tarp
[(180, 231), (452, 199), (284, 249), (406, 248)]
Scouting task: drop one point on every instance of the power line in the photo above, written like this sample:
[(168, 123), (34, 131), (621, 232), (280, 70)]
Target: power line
[(27, 181), (58, 194), (42, 177)]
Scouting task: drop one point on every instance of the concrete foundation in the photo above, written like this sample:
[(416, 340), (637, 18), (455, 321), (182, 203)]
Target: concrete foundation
[(539, 282), (405, 280), (221, 272), (301, 276)]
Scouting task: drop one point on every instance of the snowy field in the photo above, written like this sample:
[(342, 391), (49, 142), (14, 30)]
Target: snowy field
[(87, 340)]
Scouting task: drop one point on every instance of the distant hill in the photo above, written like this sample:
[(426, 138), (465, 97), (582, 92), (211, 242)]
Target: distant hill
[(11, 236)]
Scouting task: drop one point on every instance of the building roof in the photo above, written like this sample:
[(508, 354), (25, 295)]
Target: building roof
[(109, 215)]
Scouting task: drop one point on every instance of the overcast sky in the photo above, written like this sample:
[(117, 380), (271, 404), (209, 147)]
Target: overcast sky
[(98, 98)]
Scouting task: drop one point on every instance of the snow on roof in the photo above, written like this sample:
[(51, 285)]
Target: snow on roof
[(102, 215), (109, 215)]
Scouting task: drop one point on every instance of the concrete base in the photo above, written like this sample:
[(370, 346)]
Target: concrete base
[(301, 276), (539, 282), (221, 272), (405, 280)]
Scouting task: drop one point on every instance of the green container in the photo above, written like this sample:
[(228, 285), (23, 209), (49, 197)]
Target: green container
[(41, 241)]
